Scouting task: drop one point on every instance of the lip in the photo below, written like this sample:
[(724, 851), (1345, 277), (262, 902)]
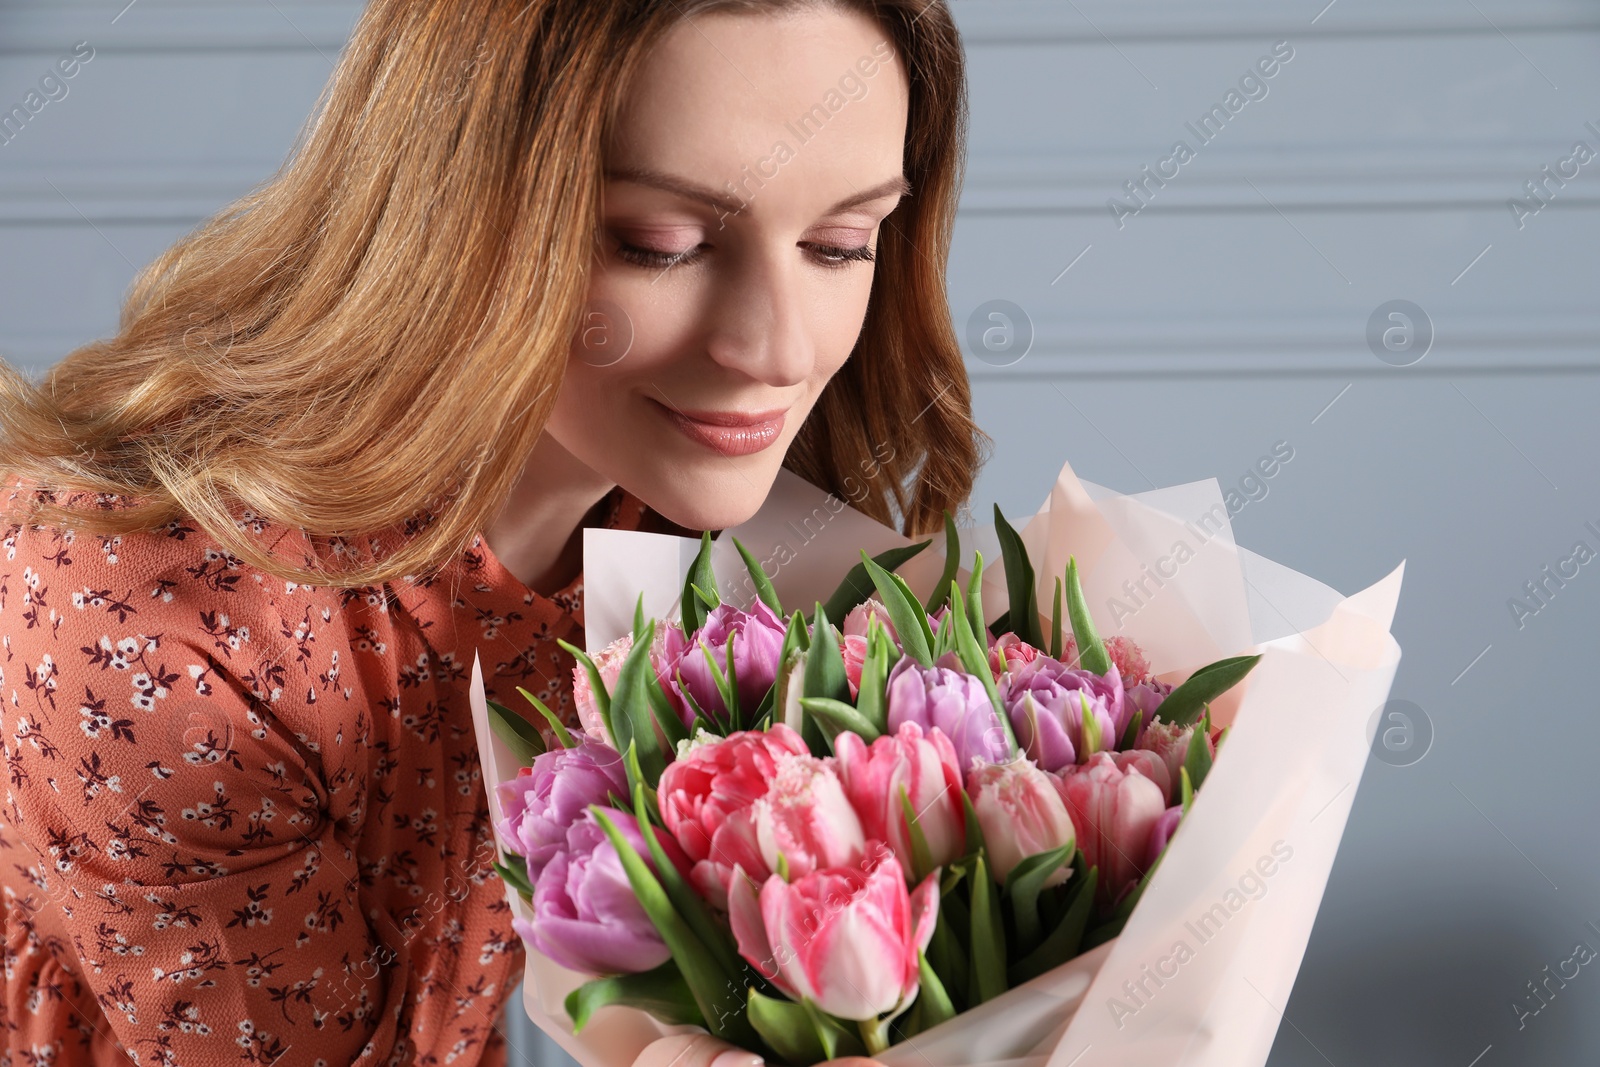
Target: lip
[(731, 433)]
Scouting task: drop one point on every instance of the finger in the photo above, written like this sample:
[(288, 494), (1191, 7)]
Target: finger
[(694, 1050)]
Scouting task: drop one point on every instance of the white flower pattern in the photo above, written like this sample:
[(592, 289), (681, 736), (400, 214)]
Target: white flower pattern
[(220, 784)]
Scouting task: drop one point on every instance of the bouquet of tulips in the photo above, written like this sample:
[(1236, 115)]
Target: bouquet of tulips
[(833, 831), (816, 840)]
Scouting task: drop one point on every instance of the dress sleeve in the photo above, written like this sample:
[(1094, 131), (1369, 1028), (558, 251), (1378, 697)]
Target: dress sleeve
[(183, 841)]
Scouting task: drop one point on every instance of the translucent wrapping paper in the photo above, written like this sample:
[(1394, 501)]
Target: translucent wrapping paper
[(1203, 969)]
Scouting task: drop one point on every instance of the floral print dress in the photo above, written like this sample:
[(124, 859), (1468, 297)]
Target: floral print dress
[(243, 819)]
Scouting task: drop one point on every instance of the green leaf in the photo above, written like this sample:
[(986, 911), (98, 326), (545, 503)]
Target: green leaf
[(933, 1004), (946, 953), (910, 621), (735, 705), (1024, 607), (988, 938), (952, 561), (1092, 654), (974, 610), (1185, 703), (638, 617), (1092, 741), (836, 717), (713, 934), (974, 842), (944, 639), (921, 856), (514, 870), (1062, 943), (786, 1027), (662, 992), (597, 686), (1055, 623), (824, 671), (518, 733), (564, 736), (1197, 761), (1026, 882), (1187, 788), (702, 576), (710, 983), (836, 1040), (719, 678), (764, 591), (872, 699), (631, 716), (856, 586), (1130, 736), (662, 711), (975, 658)]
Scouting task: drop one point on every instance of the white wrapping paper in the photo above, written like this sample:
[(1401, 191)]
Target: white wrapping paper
[(1204, 967)]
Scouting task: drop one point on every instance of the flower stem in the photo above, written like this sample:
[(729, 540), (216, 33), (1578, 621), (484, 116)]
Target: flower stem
[(873, 1033)]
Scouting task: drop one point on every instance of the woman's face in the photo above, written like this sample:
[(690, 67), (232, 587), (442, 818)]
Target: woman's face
[(713, 327)]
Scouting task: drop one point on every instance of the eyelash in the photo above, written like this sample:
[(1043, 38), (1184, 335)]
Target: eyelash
[(644, 257)]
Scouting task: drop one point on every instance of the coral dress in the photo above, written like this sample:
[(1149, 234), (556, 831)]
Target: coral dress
[(244, 820)]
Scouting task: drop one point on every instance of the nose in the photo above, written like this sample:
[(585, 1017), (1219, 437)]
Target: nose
[(760, 326)]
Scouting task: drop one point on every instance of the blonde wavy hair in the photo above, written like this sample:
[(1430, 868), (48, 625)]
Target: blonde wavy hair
[(380, 330)]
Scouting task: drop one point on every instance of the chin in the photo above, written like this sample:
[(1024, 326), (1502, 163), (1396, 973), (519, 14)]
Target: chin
[(715, 502)]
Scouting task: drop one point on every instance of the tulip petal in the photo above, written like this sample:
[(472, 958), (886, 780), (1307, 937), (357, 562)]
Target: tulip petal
[(750, 929)]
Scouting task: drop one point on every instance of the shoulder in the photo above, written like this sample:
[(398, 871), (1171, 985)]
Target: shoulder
[(149, 665), (66, 593)]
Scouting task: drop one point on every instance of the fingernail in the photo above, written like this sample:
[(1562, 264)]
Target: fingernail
[(738, 1057)]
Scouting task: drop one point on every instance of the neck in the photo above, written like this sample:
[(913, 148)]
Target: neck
[(538, 534)]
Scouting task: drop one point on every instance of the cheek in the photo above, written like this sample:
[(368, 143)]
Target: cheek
[(840, 313)]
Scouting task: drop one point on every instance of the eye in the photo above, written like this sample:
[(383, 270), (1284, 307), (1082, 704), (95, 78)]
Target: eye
[(830, 256), (834, 257), (655, 260)]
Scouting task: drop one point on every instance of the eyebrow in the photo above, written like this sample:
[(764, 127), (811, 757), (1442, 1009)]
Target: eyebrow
[(729, 205)]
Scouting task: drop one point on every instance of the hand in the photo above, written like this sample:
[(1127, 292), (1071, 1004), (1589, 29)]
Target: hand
[(703, 1050)]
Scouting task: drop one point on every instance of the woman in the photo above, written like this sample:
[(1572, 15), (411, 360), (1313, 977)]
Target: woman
[(535, 267)]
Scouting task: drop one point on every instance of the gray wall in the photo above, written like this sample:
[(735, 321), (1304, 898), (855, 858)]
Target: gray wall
[(1181, 341)]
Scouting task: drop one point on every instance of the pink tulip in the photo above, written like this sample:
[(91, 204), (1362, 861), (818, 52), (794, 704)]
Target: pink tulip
[(1149, 764), (854, 649), (1129, 659), (609, 660), (706, 797), (1171, 743), (1008, 652), (845, 937), (855, 623), (924, 765), (1114, 810), (805, 817), (1021, 813)]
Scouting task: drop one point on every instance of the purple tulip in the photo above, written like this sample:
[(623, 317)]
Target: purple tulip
[(946, 697), (585, 914), (1146, 697), (543, 801), (757, 637), (1045, 699), (1161, 833)]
